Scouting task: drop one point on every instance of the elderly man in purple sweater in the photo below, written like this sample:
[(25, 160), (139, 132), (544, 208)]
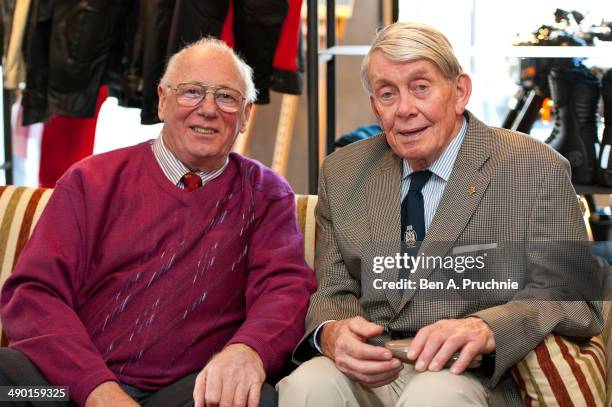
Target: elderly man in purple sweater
[(168, 273)]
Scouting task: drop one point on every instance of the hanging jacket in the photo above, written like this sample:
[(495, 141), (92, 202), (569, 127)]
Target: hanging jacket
[(156, 33), (267, 34), (288, 64), (124, 70), (36, 56), (67, 49), (257, 27)]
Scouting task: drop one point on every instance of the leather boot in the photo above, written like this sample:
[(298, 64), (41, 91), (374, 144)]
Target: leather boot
[(605, 156), (575, 92)]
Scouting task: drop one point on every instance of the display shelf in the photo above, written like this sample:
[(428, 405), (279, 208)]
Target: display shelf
[(600, 51)]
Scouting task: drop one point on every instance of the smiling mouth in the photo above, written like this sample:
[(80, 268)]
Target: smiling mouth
[(203, 130), (413, 132)]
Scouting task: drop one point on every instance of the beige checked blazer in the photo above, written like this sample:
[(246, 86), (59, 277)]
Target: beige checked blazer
[(504, 186)]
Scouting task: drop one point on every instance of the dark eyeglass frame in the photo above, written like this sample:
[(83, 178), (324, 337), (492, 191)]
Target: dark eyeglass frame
[(208, 89)]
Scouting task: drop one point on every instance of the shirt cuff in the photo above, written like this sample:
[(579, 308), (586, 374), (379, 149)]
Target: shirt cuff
[(314, 339)]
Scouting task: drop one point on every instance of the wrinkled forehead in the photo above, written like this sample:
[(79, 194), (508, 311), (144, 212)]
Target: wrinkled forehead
[(207, 65)]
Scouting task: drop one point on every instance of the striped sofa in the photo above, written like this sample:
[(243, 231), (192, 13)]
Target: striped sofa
[(21, 207)]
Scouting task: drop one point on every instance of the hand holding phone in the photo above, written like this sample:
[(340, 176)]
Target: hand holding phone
[(399, 348)]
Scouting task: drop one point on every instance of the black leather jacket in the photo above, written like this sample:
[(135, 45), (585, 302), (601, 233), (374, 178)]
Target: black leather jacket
[(67, 47)]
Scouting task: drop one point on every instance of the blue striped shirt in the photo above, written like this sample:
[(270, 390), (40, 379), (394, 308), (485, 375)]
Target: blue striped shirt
[(174, 169), (441, 169)]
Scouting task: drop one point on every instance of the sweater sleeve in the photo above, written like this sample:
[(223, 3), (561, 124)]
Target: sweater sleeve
[(38, 302), (279, 285)]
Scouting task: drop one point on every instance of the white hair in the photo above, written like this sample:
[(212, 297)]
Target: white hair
[(407, 41), (246, 72)]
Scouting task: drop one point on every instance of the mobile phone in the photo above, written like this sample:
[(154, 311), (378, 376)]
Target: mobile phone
[(399, 349)]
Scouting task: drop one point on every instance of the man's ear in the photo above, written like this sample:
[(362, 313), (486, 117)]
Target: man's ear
[(161, 104), (463, 88), (245, 117)]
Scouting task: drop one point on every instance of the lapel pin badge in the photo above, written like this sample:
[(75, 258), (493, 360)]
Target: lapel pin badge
[(472, 189)]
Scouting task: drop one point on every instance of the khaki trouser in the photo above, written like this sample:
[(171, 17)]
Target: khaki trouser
[(318, 383)]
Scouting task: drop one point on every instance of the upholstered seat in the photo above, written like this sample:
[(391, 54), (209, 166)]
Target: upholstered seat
[(21, 207)]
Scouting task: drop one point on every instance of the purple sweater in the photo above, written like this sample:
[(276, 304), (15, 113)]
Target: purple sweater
[(129, 278)]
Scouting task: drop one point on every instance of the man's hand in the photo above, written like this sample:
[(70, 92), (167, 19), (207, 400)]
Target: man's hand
[(435, 344), (343, 342), (109, 394), (233, 377)]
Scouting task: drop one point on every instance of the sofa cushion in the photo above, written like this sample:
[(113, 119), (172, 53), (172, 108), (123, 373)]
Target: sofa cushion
[(306, 205), (20, 209), (559, 372)]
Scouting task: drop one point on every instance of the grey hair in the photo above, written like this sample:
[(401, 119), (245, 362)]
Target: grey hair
[(408, 41), (246, 72)]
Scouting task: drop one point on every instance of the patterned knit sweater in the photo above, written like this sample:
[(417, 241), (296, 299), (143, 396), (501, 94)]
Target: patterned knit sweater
[(129, 278)]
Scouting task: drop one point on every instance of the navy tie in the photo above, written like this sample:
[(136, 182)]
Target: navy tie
[(413, 210)]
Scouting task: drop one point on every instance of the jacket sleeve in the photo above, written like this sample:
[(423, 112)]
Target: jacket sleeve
[(337, 296), (279, 284), (554, 248), (38, 300)]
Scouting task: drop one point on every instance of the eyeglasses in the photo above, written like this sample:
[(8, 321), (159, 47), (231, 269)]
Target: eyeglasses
[(192, 94)]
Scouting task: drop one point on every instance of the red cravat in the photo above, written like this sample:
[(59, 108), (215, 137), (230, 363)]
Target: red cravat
[(191, 181)]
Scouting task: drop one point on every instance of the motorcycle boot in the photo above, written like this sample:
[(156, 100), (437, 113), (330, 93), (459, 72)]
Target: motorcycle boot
[(575, 92)]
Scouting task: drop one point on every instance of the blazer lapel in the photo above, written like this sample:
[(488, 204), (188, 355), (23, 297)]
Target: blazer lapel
[(383, 205), (465, 188)]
